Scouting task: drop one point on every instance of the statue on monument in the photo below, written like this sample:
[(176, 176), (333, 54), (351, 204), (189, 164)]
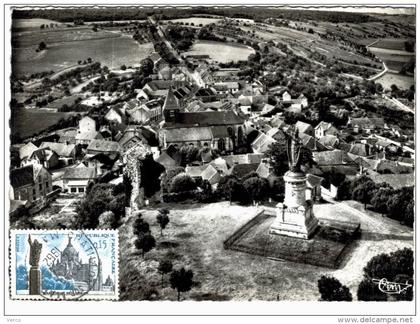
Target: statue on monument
[(35, 249), (294, 152)]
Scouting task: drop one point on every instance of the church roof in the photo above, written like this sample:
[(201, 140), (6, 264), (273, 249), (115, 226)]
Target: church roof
[(209, 118), (170, 102)]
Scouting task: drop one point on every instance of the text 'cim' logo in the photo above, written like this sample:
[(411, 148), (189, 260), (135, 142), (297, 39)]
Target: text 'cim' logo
[(389, 287)]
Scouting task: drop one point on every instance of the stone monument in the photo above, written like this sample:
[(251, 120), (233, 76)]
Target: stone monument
[(294, 217), (34, 272)]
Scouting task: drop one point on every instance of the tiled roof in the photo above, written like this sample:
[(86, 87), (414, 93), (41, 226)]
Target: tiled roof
[(88, 135), (104, 146), (334, 157), (262, 143), (63, 150), (42, 154), (219, 131), (396, 180), (171, 102), (209, 118), (243, 158), (80, 173), (263, 170), (313, 180), (195, 170), (360, 149), (209, 172), (241, 170), (188, 134), (329, 140), (304, 128), (27, 150), (21, 177)]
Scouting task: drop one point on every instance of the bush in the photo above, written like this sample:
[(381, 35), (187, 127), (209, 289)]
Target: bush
[(182, 182), (397, 266), (369, 291), (107, 220), (332, 290), (167, 178), (179, 196)]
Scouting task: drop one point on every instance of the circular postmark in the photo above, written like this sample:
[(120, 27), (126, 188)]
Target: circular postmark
[(69, 264)]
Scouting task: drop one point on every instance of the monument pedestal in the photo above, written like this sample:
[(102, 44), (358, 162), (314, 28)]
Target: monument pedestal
[(34, 281), (295, 216)]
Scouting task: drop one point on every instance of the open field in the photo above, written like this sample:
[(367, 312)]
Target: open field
[(27, 39), (401, 81), (33, 23), (27, 122), (392, 44), (194, 240), (394, 59), (221, 52), (112, 52), (195, 20), (69, 101)]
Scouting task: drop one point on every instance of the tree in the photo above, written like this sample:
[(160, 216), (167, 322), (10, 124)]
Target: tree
[(42, 46), (277, 189), (257, 188), (181, 280), (151, 172), (397, 266), (96, 201), (106, 220), (369, 291), (332, 290), (363, 192), (182, 182), (277, 156), (206, 194), (140, 226), (380, 199), (400, 201), (233, 189), (169, 175), (145, 242), (165, 266), (162, 219)]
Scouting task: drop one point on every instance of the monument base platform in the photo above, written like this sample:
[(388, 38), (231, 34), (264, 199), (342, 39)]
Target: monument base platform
[(329, 243), (305, 231)]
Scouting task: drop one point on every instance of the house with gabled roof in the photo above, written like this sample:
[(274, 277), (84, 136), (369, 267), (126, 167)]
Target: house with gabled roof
[(329, 141), (304, 128), (42, 156), (116, 114), (30, 183), (66, 152), (26, 150), (262, 143), (324, 128), (77, 178), (103, 146), (366, 124)]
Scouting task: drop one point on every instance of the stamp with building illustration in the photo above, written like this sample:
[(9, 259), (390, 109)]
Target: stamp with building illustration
[(64, 264)]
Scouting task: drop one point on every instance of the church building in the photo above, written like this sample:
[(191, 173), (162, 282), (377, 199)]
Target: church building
[(222, 130)]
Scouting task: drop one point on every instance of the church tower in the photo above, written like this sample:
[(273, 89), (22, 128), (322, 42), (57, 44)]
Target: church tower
[(170, 107)]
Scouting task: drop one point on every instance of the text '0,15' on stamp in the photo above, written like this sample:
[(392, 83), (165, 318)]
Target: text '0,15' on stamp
[(64, 264)]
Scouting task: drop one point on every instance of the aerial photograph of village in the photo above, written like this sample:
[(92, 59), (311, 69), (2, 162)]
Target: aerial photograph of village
[(240, 153)]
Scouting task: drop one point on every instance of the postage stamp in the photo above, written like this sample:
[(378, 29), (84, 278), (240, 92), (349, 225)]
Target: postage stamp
[(64, 264)]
